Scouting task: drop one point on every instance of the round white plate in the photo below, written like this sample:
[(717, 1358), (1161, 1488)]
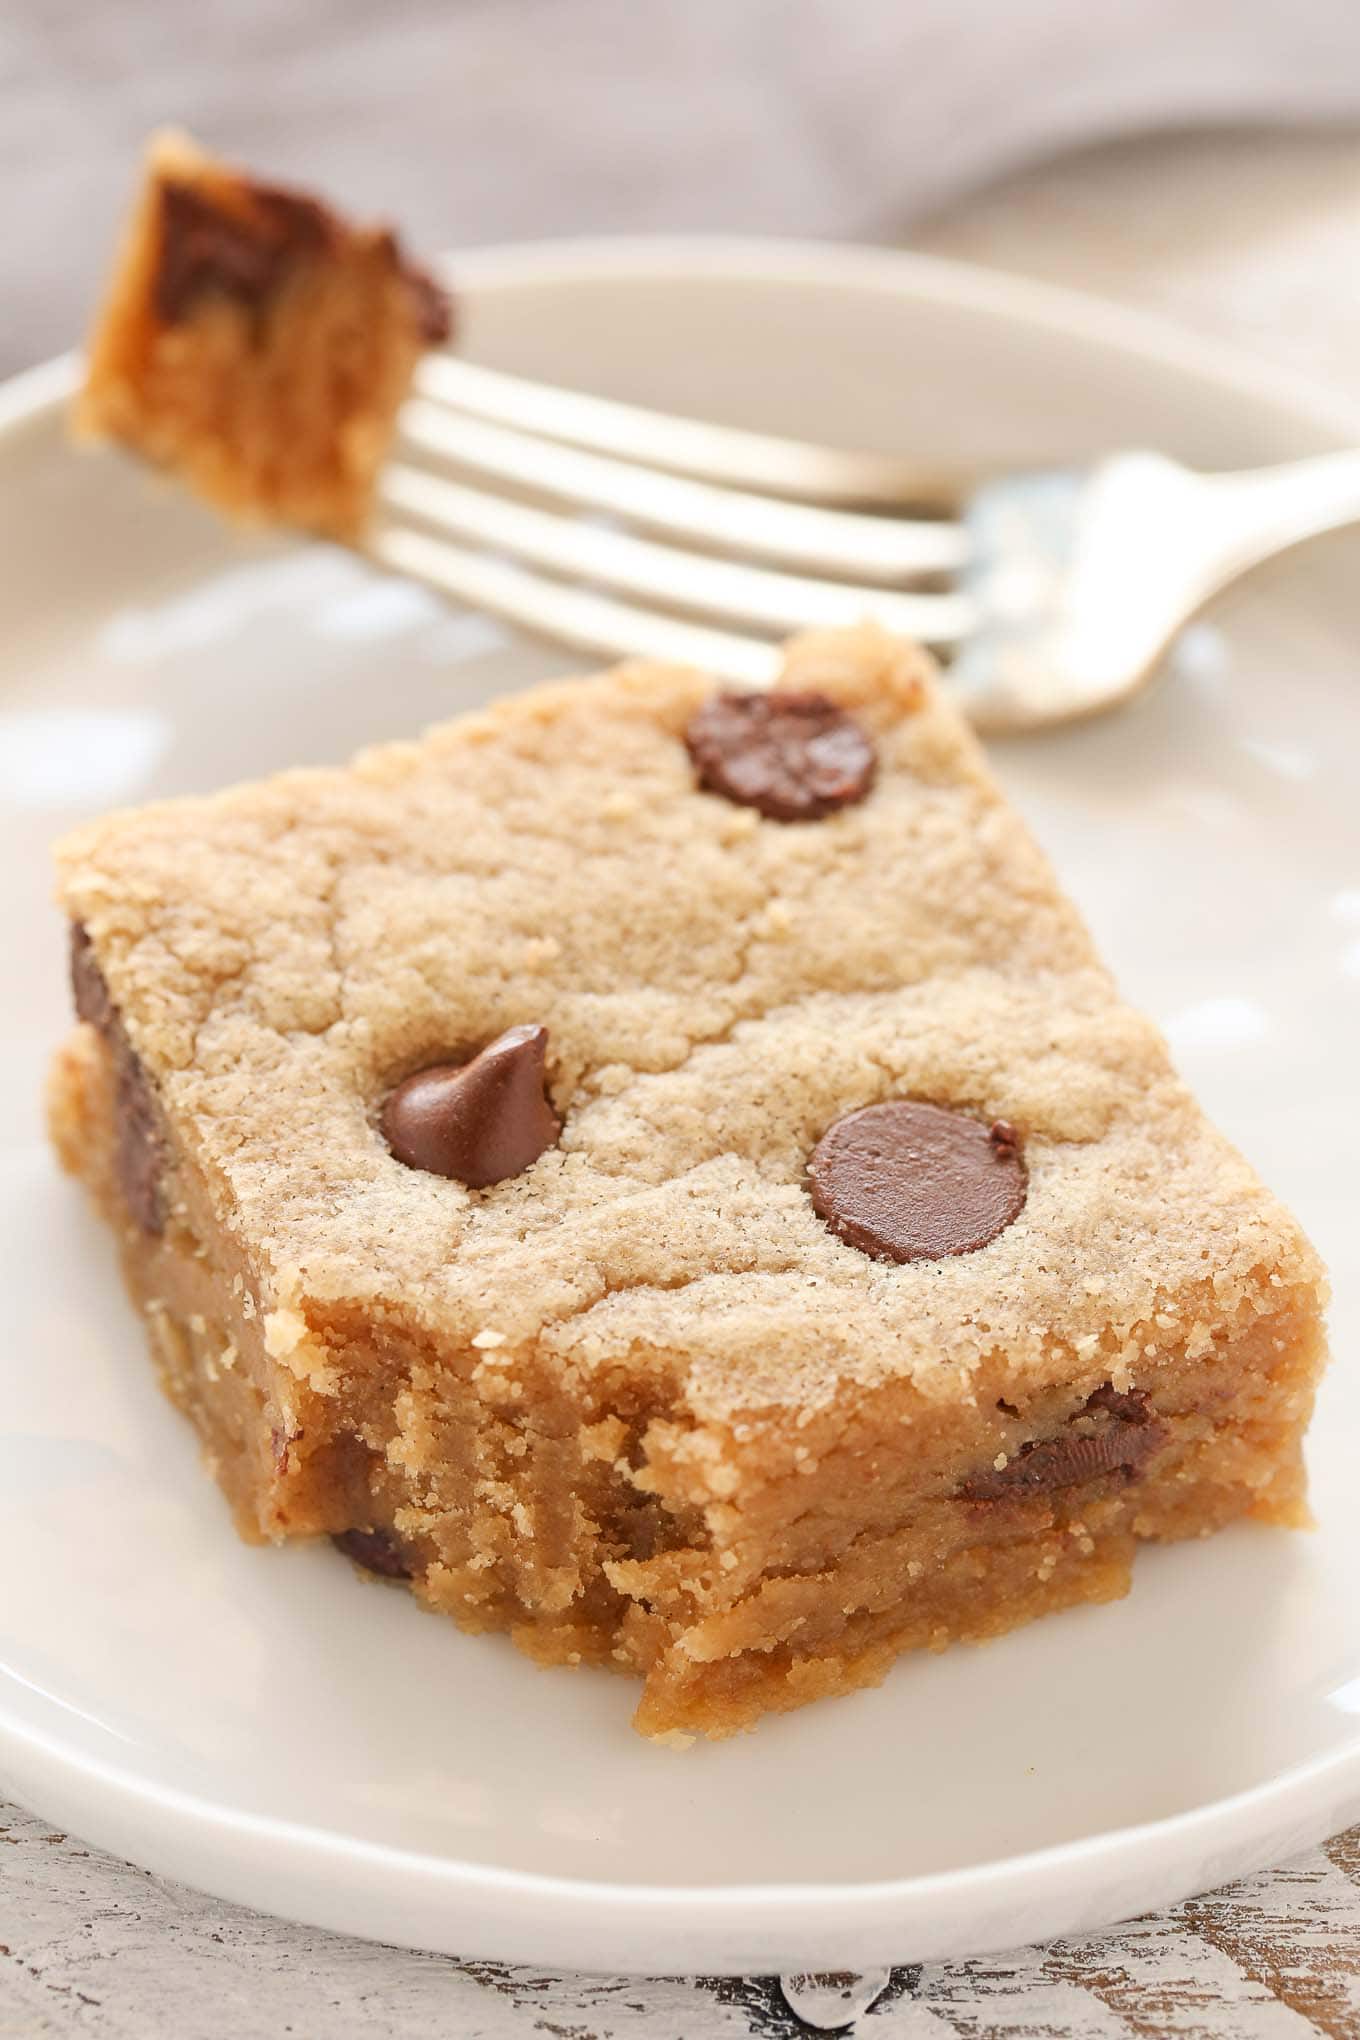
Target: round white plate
[(262, 1724)]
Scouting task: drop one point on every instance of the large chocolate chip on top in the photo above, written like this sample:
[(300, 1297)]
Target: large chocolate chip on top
[(908, 1181), (480, 1121), (793, 756)]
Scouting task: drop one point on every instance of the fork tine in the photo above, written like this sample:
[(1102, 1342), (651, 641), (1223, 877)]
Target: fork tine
[(664, 574), (794, 534), (716, 453), (573, 616)]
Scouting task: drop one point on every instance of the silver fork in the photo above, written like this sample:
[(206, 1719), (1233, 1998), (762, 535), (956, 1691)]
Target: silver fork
[(1050, 595)]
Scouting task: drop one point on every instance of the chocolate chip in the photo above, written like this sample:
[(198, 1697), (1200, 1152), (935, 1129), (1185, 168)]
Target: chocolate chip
[(243, 254), (795, 757), (430, 302), (907, 1181), (139, 1158), (433, 306), (1111, 1433), (88, 989), (480, 1121), (1131, 1405), (377, 1551), (139, 1154)]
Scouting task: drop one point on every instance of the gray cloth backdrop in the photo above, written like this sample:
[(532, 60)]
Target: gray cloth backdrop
[(476, 120)]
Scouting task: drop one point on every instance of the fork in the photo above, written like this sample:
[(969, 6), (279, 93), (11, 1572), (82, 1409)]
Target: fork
[(1050, 595)]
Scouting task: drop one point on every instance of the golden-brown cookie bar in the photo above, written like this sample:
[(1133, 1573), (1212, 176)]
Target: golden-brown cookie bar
[(255, 343), (666, 1174)]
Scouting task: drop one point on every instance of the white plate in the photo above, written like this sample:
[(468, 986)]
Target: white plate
[(261, 1724)]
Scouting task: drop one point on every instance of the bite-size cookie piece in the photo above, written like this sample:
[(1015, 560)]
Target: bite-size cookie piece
[(255, 343)]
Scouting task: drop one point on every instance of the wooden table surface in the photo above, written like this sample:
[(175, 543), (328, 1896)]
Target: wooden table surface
[(1246, 237)]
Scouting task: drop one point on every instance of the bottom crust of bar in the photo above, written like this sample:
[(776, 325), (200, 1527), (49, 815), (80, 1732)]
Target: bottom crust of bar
[(536, 1520)]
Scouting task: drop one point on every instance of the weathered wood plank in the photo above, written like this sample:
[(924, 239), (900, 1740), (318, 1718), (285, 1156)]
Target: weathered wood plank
[(93, 1949), (1290, 1932)]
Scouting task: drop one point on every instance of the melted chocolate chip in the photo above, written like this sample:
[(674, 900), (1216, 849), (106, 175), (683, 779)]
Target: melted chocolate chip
[(433, 306), (1111, 1433), (795, 757), (139, 1155), (246, 251), (89, 992), (430, 302), (481, 1121), (208, 249), (1129, 1404), (377, 1551), (907, 1181)]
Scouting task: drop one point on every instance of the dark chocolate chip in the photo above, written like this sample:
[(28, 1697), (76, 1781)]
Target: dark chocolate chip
[(795, 757), (646, 1528), (295, 220), (139, 1156), (88, 989), (907, 1181), (433, 305), (1111, 1433), (377, 1551), (481, 1121), (1131, 1405), (243, 253)]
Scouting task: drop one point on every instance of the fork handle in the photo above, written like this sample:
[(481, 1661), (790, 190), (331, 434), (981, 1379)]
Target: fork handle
[(1263, 511)]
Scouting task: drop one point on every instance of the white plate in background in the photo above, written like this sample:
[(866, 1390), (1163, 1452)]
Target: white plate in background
[(262, 1725)]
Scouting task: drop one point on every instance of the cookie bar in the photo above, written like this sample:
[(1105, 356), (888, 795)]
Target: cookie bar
[(664, 1172), (255, 343)]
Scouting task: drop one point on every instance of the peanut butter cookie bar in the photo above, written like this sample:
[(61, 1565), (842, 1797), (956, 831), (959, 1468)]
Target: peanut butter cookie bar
[(665, 1173)]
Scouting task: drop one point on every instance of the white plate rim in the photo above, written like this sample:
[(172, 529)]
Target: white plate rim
[(732, 1929)]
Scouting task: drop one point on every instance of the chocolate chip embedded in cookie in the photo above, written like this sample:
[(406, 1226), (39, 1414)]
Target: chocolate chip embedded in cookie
[(139, 1155), (245, 242), (432, 303), (377, 1551), (481, 1121), (907, 1181), (1111, 1433), (794, 756), (243, 253)]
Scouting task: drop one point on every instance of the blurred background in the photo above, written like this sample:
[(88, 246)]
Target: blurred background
[(1203, 153)]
